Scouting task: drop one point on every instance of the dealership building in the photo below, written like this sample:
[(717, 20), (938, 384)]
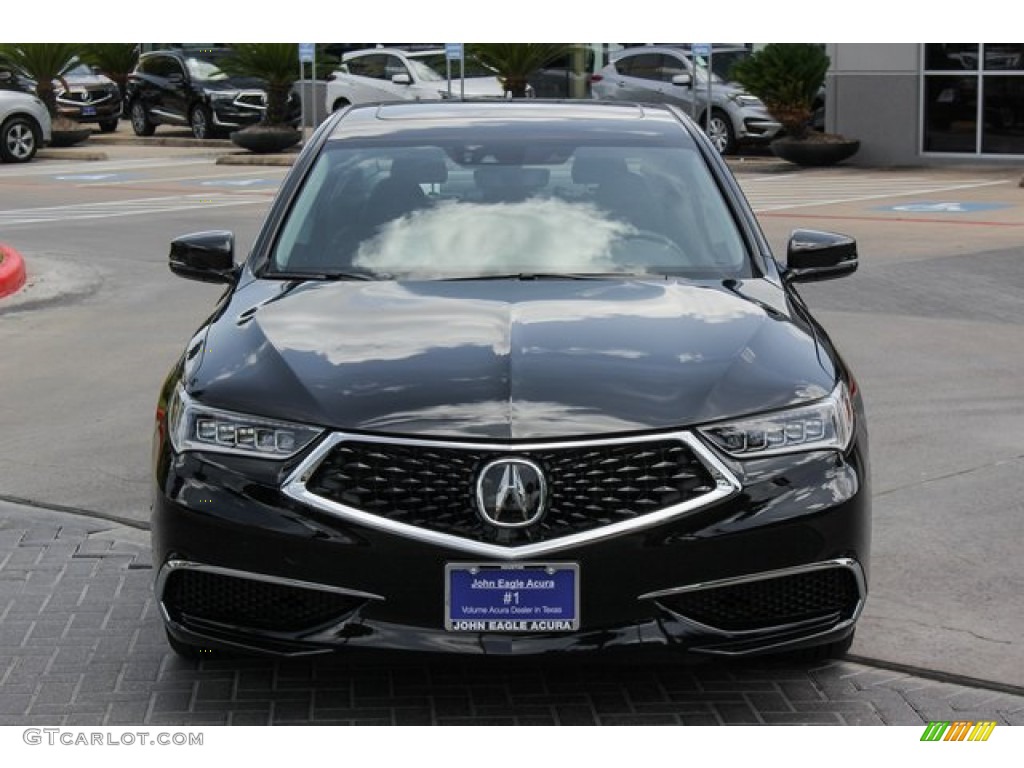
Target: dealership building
[(928, 103)]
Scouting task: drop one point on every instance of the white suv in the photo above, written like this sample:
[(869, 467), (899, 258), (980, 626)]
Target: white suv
[(382, 74), (24, 126)]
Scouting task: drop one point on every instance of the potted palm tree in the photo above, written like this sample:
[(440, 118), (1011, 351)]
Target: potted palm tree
[(787, 77), (277, 65), (44, 64), (516, 62)]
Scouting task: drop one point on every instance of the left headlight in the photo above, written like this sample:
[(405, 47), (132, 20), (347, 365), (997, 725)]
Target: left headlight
[(746, 100), (222, 95), (823, 425), (193, 427)]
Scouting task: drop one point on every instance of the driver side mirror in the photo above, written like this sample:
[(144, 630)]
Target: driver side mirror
[(685, 79), (402, 79), (205, 256), (812, 255)]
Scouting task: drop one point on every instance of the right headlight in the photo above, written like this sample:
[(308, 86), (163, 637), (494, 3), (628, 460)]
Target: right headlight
[(822, 425), (194, 427)]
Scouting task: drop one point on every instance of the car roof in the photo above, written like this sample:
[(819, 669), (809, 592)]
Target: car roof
[(562, 119), (364, 51)]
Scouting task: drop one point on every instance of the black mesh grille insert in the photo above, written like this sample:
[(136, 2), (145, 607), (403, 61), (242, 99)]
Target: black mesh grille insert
[(769, 602), (434, 487), (249, 603)]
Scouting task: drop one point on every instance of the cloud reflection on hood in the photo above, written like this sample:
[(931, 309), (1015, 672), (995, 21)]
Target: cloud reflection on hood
[(533, 235)]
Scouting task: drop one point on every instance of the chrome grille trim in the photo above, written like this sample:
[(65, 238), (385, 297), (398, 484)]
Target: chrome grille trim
[(172, 566), (294, 487), (841, 562)]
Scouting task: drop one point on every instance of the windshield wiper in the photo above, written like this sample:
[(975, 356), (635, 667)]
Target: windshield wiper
[(554, 276), (325, 276)]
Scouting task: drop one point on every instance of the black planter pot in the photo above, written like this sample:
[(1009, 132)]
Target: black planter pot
[(69, 137), (266, 138), (814, 153)]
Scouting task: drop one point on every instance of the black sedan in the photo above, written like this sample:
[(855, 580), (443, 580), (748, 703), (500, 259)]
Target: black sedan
[(511, 378)]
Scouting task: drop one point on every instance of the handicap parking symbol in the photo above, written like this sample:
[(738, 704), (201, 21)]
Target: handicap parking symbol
[(943, 207)]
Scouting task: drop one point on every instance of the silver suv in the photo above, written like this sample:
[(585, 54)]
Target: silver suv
[(667, 75)]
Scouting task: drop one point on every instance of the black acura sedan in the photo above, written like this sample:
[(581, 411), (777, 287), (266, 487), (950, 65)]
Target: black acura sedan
[(511, 378)]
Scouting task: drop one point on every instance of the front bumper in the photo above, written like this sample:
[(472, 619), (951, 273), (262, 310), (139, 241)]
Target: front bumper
[(779, 564), (99, 107)]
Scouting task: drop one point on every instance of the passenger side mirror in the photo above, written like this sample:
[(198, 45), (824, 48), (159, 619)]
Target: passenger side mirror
[(685, 79), (812, 255), (205, 256), (402, 79)]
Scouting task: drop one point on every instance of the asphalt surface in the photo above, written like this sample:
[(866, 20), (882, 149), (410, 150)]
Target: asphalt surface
[(930, 323)]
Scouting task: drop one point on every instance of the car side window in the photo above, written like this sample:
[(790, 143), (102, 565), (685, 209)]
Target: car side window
[(646, 66), (374, 65), (394, 66), (672, 66)]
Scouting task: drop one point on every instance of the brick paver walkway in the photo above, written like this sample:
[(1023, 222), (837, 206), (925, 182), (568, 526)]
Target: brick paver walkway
[(81, 645)]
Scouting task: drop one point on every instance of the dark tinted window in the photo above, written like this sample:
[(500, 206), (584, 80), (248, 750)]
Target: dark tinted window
[(646, 66), (475, 208)]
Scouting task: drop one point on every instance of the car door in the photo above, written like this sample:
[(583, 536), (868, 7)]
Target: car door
[(161, 87), (368, 78), (670, 65), (640, 77)]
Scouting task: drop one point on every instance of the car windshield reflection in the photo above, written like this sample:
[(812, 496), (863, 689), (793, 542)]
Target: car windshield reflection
[(459, 210)]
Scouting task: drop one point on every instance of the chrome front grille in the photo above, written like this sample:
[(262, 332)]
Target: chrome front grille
[(88, 98), (427, 489)]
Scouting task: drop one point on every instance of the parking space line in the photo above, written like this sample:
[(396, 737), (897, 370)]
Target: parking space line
[(152, 205)]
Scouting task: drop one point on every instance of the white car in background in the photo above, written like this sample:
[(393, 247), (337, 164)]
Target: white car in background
[(24, 126), (391, 74)]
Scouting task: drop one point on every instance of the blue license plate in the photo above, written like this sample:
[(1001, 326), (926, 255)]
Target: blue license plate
[(512, 598), (88, 111)]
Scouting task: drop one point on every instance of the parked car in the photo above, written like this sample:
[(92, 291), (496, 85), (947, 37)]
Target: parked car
[(668, 75), (383, 74), (509, 378), (83, 95), (188, 87), (481, 82), (25, 126)]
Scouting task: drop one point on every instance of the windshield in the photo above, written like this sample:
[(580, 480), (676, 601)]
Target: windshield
[(204, 69), (456, 210)]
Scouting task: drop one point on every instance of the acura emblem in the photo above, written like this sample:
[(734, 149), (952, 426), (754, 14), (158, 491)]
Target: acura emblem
[(510, 493)]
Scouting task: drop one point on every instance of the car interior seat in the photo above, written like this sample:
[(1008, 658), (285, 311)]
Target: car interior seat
[(621, 192), (401, 192)]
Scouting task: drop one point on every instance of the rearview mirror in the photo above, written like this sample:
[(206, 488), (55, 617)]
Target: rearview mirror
[(205, 256), (812, 255)]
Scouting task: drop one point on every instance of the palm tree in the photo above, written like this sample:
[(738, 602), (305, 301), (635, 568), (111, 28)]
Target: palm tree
[(276, 64), (115, 60), (43, 63), (786, 77), (516, 62)]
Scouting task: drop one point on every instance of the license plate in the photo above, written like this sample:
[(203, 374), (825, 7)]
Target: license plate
[(88, 111), (512, 598)]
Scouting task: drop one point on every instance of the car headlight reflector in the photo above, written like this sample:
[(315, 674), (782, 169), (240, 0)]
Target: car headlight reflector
[(822, 425), (193, 427)]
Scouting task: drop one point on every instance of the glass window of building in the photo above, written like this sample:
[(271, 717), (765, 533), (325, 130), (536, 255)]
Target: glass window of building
[(974, 98)]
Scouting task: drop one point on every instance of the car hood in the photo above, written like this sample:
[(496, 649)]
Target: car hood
[(507, 359)]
